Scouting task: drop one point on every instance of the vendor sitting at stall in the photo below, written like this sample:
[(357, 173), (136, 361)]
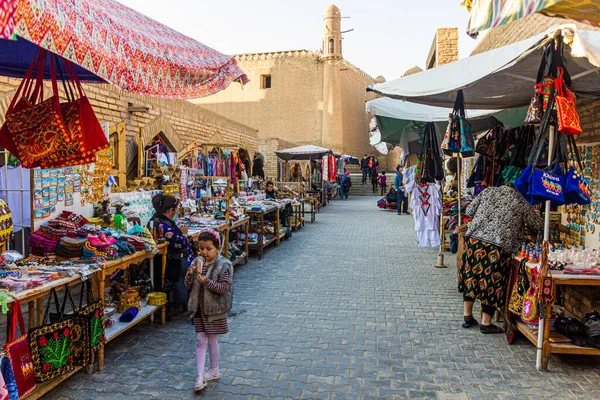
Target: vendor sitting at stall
[(270, 193), (500, 215), (179, 252)]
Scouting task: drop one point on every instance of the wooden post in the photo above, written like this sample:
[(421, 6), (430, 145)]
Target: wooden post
[(141, 160)]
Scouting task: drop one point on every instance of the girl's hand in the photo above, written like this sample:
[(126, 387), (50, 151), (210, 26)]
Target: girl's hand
[(192, 269), (202, 278)]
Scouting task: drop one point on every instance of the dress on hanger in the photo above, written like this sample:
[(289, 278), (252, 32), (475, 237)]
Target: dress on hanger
[(426, 206)]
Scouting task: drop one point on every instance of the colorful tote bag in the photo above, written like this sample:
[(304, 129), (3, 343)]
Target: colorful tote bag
[(51, 344), (530, 308), (39, 130), (94, 311), (9, 379), (18, 354), (80, 332), (86, 134), (566, 111), (577, 190)]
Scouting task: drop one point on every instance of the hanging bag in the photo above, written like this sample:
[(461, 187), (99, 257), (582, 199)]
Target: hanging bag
[(18, 356), (80, 333), (524, 182), (94, 311), (86, 134), (566, 111), (51, 344), (577, 190), (39, 130), (530, 309)]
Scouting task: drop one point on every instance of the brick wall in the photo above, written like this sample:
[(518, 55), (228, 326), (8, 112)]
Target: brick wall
[(444, 48), (181, 121), (269, 147)]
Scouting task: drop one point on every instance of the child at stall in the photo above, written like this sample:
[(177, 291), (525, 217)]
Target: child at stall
[(383, 182), (210, 281)]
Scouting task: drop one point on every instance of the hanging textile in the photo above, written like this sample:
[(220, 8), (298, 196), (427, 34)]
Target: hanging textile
[(325, 166), (426, 205)]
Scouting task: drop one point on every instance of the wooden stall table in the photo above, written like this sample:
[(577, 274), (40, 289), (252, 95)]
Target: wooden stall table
[(559, 278), (147, 311), (297, 212), (316, 196), (224, 229), (258, 216), (243, 223)]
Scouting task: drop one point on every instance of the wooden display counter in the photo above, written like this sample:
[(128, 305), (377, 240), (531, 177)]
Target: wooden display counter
[(35, 302), (257, 223), (559, 278)]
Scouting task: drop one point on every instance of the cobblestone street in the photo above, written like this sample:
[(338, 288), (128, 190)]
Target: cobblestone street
[(348, 308)]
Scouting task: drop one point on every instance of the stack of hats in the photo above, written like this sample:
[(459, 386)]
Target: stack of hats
[(41, 245), (70, 247)]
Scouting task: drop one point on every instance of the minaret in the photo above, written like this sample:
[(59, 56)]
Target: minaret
[(332, 135), (332, 37)]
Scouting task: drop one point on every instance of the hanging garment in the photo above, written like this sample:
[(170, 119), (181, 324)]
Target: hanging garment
[(325, 170), (426, 205)]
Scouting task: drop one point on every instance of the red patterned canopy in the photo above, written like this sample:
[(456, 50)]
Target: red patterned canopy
[(125, 48)]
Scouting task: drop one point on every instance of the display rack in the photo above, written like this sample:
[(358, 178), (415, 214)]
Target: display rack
[(257, 224), (559, 278), (297, 204), (34, 298)]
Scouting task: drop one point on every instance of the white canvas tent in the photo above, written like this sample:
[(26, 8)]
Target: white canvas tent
[(502, 78)]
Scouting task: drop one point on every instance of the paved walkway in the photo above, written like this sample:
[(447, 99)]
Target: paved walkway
[(349, 308)]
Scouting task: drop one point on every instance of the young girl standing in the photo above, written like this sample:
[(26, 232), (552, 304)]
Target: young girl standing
[(210, 281)]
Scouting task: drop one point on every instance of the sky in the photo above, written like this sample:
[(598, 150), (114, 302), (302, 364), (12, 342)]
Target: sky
[(388, 37)]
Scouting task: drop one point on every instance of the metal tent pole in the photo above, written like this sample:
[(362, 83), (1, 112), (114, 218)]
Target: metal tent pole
[(542, 323)]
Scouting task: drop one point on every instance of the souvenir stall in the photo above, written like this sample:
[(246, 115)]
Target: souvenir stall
[(292, 192), (567, 60), (66, 153), (319, 173), (208, 202)]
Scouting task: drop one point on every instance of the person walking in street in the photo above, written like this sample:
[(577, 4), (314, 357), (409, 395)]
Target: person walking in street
[(500, 215), (402, 201), (364, 166), (374, 180), (209, 280), (383, 182), (346, 185)]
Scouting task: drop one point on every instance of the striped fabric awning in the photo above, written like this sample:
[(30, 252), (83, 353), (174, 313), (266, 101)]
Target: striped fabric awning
[(487, 14), (115, 44)]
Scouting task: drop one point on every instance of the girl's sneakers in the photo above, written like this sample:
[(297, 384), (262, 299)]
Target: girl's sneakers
[(200, 383), (212, 374)]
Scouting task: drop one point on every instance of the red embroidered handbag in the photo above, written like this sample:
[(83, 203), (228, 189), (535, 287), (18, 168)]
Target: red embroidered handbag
[(87, 136), (566, 112), (17, 350), (37, 131)]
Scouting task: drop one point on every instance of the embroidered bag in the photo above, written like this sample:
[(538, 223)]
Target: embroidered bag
[(466, 142), (536, 108), (94, 311), (17, 352), (51, 344), (23, 99), (530, 310), (517, 296), (39, 130), (4, 393), (577, 190), (566, 111), (6, 224), (9, 379), (87, 136), (80, 333)]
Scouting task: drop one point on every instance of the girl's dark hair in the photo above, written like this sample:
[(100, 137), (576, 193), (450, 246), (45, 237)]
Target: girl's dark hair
[(209, 237), (164, 202)]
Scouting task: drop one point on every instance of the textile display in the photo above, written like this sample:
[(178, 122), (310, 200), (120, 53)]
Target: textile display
[(4, 394), (9, 378), (8, 9), (485, 272), (20, 368), (125, 48), (51, 344), (426, 205), (429, 168), (487, 14)]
